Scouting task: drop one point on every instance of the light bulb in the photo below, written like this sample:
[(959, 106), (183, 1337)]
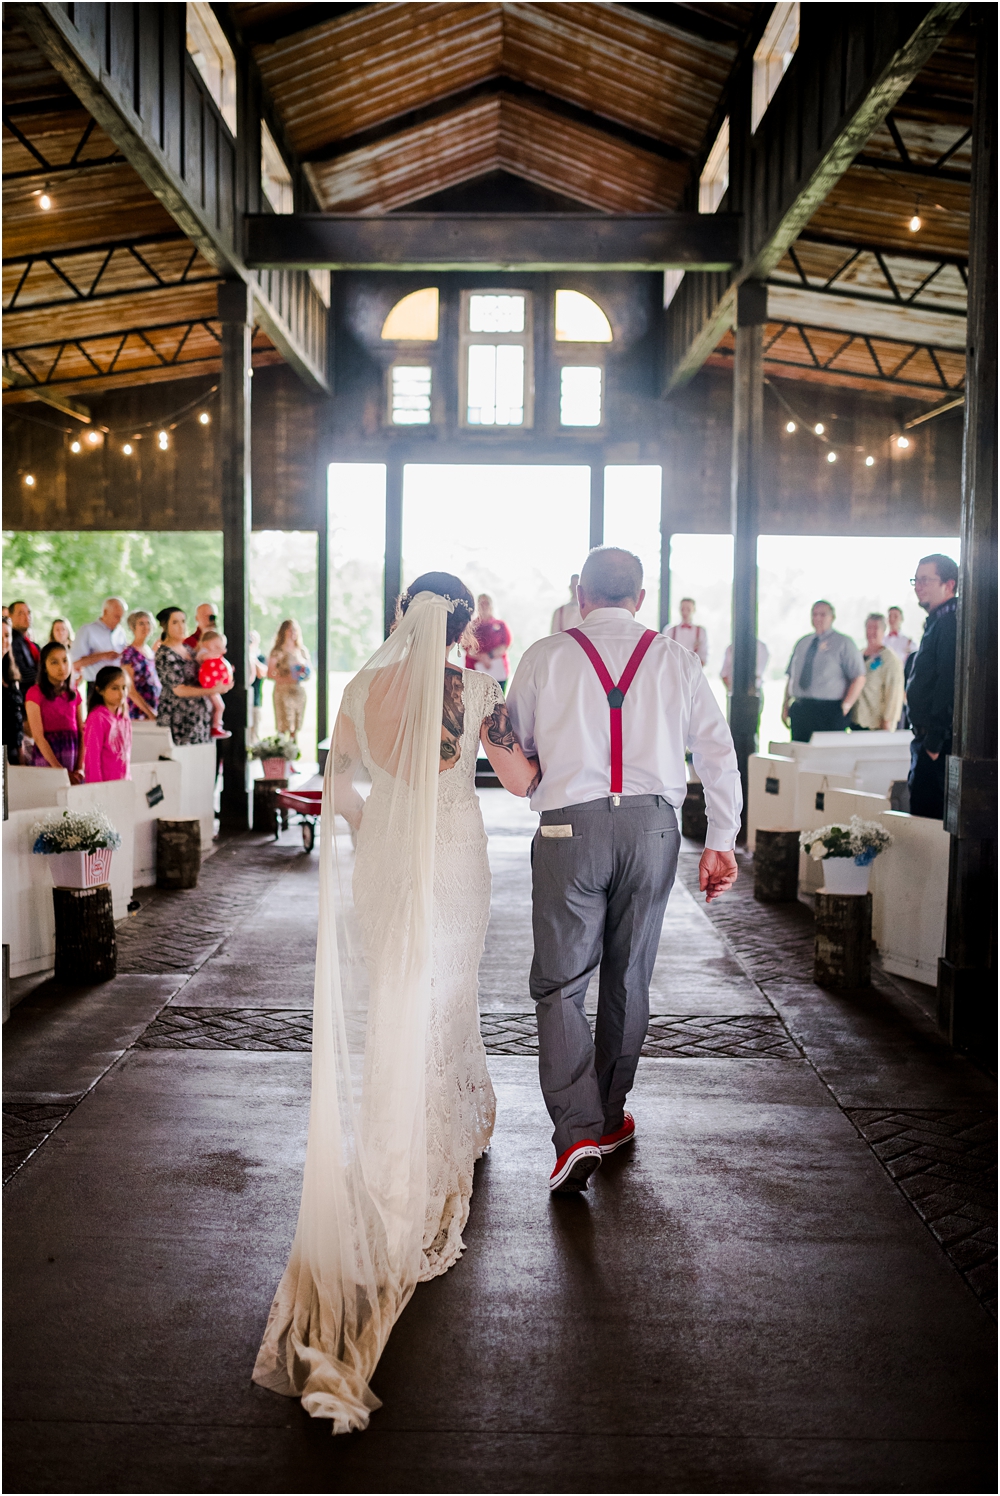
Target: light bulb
[(161, 438), (790, 426), (127, 449), (29, 480), (819, 428), (45, 202), (74, 446), (93, 437), (902, 441), (831, 456), (915, 224), (869, 462), (203, 418)]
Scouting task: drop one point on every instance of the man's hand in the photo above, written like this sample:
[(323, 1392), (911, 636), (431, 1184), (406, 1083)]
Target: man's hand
[(717, 872)]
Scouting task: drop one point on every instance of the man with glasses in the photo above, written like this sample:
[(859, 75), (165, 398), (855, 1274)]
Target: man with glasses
[(930, 689), (826, 675)]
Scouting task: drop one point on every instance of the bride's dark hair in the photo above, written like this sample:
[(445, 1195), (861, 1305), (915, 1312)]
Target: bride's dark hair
[(445, 585)]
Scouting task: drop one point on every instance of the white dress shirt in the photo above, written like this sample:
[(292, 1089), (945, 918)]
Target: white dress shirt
[(560, 713), (901, 646), (96, 638), (566, 617), (763, 655), (690, 636)]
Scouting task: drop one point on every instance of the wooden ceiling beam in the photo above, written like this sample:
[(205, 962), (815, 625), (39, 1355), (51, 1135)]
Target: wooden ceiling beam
[(690, 23), (488, 241), (292, 20), (851, 67)]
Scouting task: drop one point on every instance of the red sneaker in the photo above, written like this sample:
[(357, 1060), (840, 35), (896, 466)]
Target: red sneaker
[(625, 1134), (574, 1167), (220, 732)]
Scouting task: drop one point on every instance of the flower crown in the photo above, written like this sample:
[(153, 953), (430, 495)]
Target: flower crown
[(405, 600)]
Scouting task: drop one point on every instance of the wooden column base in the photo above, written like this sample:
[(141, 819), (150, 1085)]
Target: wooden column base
[(843, 940), (694, 821), (86, 948), (776, 867), (265, 809), (178, 853)]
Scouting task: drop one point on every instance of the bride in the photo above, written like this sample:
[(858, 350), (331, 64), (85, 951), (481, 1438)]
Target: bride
[(402, 1104)]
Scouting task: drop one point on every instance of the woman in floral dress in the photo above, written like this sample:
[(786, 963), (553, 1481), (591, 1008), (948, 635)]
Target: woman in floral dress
[(184, 705), (139, 664)]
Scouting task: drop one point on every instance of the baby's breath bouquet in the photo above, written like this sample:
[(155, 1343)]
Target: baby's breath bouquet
[(75, 831), (280, 746), (861, 840)]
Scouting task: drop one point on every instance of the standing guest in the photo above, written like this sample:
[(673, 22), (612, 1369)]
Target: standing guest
[(206, 616), (13, 701), (288, 666), (100, 643), (726, 673), (55, 715), (493, 640), (878, 707), (184, 705), (214, 670), (258, 675), (569, 615), (61, 632), (139, 665), (107, 736), (687, 633), (901, 645), (930, 686), (23, 646), (826, 675)]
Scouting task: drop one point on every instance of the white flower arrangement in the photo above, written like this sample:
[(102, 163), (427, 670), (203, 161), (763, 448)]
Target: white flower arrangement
[(280, 746), (74, 831), (862, 840)]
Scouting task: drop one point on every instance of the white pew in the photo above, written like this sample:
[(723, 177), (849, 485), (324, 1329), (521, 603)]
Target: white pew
[(167, 774), (34, 789), (910, 884)]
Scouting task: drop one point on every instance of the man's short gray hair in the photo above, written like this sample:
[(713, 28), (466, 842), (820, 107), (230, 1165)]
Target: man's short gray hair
[(612, 576), (119, 600)]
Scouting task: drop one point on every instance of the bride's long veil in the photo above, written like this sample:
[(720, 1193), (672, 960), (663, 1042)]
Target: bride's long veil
[(357, 1249)]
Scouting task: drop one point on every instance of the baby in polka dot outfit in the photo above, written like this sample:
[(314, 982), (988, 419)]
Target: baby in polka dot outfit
[(214, 670)]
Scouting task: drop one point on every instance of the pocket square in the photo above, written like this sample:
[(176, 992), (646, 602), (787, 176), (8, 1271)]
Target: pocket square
[(556, 830)]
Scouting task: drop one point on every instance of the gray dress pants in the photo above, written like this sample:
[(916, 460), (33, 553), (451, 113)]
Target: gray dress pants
[(598, 897)]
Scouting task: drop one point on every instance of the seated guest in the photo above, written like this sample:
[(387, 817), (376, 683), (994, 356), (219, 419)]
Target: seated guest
[(107, 736), (139, 664), (100, 643), (878, 707), (55, 715), (13, 701), (205, 617), (23, 646)]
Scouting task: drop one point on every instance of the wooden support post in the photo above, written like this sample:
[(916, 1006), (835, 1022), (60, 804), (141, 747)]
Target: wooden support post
[(393, 584), (776, 867), (265, 805), (322, 605), (235, 314), (86, 948), (967, 976), (597, 500), (178, 853), (665, 540), (843, 940), (748, 437)]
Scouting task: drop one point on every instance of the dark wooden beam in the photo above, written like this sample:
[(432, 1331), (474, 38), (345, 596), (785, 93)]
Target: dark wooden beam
[(851, 67), (492, 88), (747, 460), (689, 22), (484, 241), (967, 975), (928, 171), (290, 21), (233, 446)]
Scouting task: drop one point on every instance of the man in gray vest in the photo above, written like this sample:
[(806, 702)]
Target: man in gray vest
[(826, 675), (609, 709)]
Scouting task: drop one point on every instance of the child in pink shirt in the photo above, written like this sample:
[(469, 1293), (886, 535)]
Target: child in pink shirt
[(214, 670), (107, 733)]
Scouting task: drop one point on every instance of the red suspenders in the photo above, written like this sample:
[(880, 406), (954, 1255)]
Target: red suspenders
[(615, 694)]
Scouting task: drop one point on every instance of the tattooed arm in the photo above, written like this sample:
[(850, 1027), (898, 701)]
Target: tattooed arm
[(346, 755), (515, 772), (453, 718)]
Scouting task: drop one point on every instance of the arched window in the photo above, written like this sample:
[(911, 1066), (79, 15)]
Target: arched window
[(414, 319), (580, 320)]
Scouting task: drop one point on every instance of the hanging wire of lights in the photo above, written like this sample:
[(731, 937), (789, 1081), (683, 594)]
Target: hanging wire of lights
[(818, 430)]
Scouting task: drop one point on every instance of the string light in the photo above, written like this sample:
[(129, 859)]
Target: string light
[(74, 446), (204, 418), (162, 440), (915, 224), (819, 428), (869, 462), (831, 456), (790, 426), (93, 437), (29, 480), (127, 449), (45, 202), (902, 441)]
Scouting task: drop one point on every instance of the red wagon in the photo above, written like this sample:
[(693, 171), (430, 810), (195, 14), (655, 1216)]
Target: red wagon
[(306, 804)]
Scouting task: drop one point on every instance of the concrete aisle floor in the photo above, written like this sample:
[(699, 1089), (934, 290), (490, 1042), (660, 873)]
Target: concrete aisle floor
[(744, 1302)]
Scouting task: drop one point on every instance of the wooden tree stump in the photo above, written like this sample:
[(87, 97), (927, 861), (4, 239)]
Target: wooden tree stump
[(265, 808), (694, 821), (776, 867), (86, 948), (843, 940), (178, 853)]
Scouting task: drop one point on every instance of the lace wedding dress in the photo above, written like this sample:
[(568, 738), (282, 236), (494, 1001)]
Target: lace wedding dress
[(402, 1104)]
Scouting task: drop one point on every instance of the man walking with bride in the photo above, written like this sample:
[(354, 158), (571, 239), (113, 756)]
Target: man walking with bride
[(402, 1103)]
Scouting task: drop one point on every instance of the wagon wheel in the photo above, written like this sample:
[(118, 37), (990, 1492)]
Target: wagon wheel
[(308, 835)]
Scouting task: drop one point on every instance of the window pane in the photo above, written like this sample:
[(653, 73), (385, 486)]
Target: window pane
[(715, 178), (580, 396), (357, 556), (415, 318), (510, 384), (213, 57), (275, 178), (632, 520), (496, 313), (411, 395), (580, 320), (482, 385)]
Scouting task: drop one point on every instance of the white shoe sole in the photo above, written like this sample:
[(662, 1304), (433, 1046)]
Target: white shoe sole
[(576, 1171), (607, 1148)]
